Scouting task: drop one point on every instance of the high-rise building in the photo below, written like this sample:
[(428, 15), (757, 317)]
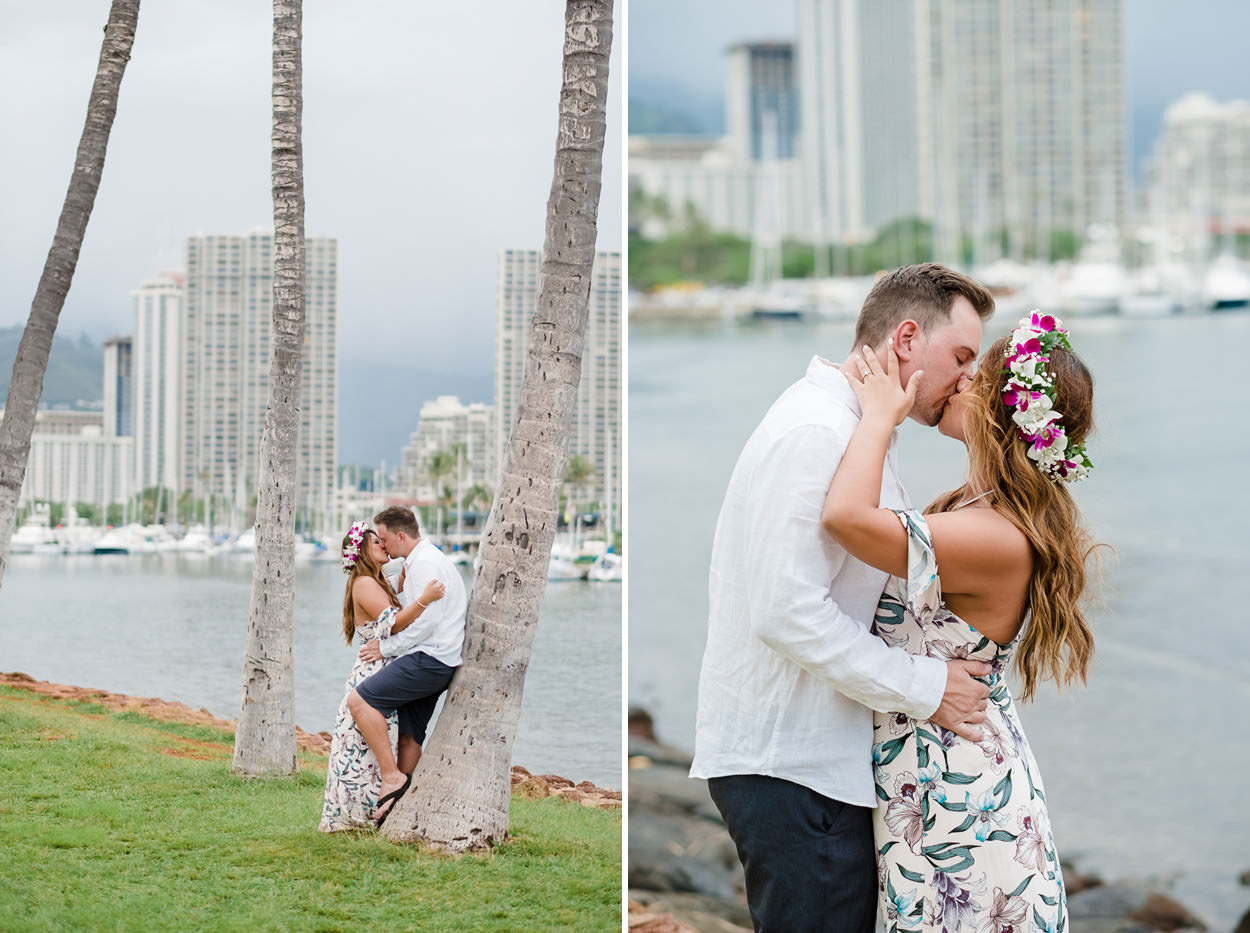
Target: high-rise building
[(595, 429), (158, 399), (446, 424), (118, 388), (998, 120), (1199, 173), (226, 337), (761, 103), (1021, 106), (73, 460), (703, 174)]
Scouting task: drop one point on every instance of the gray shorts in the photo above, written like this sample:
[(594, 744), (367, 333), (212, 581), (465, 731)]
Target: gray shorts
[(410, 684)]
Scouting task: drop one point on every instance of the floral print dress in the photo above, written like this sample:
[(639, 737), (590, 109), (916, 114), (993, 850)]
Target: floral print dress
[(963, 840), (353, 778)]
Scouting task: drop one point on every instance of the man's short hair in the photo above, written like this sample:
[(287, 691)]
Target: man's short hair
[(398, 518), (924, 293)]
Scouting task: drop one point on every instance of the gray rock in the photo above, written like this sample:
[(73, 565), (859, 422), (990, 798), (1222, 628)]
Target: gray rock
[(1128, 907), (666, 789), (1243, 925), (659, 753), (681, 854), (703, 913)]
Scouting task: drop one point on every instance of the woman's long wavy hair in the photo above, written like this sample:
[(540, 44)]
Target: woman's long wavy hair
[(1057, 643), (365, 566)]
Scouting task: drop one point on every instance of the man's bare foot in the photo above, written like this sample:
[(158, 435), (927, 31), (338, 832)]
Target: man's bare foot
[(389, 797)]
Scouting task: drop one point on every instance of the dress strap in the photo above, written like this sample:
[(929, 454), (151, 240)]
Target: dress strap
[(965, 502)]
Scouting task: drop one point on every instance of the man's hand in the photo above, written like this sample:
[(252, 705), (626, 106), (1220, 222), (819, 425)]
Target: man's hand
[(372, 651), (965, 700)]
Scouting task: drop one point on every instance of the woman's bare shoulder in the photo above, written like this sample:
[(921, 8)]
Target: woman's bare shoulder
[(365, 586), (989, 535)]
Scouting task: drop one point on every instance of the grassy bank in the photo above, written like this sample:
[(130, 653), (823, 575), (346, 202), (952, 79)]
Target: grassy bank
[(120, 822)]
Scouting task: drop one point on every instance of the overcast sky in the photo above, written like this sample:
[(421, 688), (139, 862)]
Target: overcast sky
[(429, 139), (676, 51)]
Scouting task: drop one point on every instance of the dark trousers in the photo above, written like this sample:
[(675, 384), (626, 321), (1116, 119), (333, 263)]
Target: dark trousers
[(809, 860), (410, 684)]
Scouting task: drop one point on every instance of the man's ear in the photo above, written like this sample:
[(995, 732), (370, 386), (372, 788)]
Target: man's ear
[(906, 339)]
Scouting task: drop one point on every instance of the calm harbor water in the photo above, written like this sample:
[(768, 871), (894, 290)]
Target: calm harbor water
[(174, 626), (1142, 766)]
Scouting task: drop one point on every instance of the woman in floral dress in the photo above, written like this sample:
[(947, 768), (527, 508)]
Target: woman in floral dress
[(962, 834), (370, 610)]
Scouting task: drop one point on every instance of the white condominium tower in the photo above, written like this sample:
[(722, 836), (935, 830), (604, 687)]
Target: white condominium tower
[(446, 424), (226, 337), (595, 429), (1199, 172), (995, 119), (157, 383)]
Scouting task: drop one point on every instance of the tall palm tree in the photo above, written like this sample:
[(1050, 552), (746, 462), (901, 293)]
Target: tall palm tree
[(461, 787), (26, 385), (265, 738)]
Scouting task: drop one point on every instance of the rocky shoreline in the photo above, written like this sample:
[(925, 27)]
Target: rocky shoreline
[(684, 875), (524, 784)]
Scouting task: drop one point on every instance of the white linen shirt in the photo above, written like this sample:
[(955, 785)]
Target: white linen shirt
[(792, 671), (439, 630)]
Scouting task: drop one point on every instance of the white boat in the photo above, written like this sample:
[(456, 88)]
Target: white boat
[(1227, 284), (245, 543), (1097, 279), (1147, 294), (197, 540), (33, 537), (114, 541), (607, 568), (562, 568), (1092, 288)]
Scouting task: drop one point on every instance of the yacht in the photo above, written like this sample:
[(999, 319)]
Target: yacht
[(607, 568), (1227, 284), (33, 537)]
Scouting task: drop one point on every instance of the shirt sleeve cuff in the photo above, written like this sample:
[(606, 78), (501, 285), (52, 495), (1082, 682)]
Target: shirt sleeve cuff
[(929, 687)]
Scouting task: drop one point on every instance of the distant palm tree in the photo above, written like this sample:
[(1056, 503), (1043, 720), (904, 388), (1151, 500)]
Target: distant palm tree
[(26, 384), (475, 495), (441, 465), (578, 472), (265, 736), (461, 786)]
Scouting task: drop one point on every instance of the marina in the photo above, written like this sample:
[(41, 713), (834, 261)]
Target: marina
[(174, 625)]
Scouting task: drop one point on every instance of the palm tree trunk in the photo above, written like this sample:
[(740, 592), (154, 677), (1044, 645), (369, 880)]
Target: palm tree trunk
[(26, 385), (461, 787), (265, 736)]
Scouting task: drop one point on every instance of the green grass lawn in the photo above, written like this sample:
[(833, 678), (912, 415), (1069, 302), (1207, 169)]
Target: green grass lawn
[(114, 821)]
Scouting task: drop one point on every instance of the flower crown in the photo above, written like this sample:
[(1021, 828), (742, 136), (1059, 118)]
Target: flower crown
[(1031, 392), (351, 550)]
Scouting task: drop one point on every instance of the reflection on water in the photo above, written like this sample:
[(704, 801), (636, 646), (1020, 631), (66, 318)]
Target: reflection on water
[(1141, 766), (175, 626)]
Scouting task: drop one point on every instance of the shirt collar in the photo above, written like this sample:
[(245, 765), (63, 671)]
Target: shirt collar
[(829, 378), (412, 555)]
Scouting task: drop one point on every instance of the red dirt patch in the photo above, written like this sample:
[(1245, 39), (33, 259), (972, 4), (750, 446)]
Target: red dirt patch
[(524, 784)]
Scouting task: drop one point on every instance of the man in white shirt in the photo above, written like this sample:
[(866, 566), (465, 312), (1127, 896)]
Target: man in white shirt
[(792, 672), (425, 655)]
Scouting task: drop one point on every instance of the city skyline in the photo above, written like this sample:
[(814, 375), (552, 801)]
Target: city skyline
[(678, 53), (421, 168)]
